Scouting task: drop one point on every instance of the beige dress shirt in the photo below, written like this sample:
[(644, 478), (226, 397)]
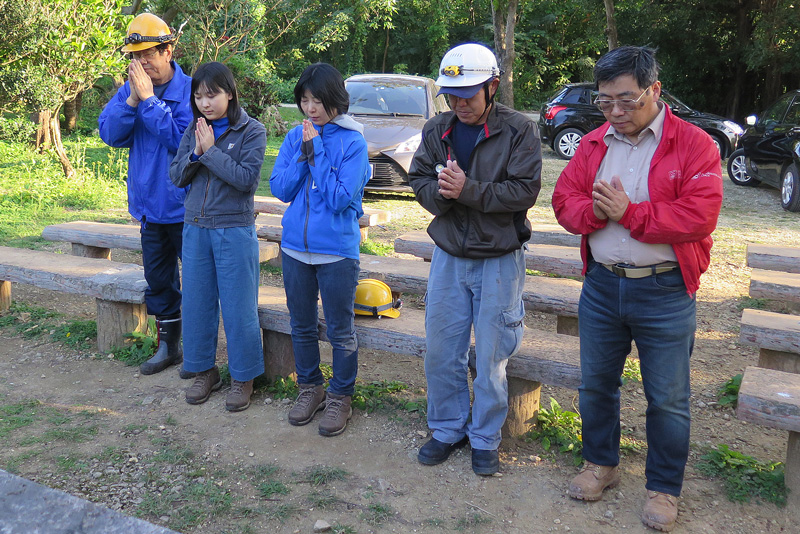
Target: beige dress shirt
[(631, 162)]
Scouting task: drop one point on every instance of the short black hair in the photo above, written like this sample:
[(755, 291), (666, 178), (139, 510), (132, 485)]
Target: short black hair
[(325, 83), (637, 61), (216, 77)]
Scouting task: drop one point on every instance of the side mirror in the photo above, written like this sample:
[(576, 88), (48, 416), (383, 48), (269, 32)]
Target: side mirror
[(751, 120)]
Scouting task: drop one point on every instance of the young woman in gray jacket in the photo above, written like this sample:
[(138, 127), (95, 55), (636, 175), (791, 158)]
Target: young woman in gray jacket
[(220, 157)]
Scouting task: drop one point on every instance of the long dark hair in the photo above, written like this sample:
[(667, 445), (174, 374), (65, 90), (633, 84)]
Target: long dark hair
[(216, 77), (325, 83)]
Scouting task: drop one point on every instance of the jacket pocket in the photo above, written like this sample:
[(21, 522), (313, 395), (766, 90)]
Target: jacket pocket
[(512, 327)]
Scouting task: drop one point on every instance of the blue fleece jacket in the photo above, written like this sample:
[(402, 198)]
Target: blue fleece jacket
[(323, 182), (152, 131)]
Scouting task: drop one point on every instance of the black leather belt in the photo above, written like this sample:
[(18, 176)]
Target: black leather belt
[(629, 271)]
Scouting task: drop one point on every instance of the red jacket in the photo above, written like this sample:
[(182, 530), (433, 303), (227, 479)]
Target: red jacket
[(685, 185)]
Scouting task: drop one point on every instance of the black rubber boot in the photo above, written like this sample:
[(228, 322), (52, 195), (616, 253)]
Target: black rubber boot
[(170, 349)]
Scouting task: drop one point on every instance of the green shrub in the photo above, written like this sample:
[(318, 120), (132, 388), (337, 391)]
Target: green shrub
[(744, 476)]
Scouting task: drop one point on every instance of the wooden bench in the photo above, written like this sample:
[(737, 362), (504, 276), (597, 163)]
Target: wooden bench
[(773, 258), (371, 217), (553, 234), (95, 240), (118, 288), (545, 358), (553, 259), (772, 398), (777, 335), (775, 285)]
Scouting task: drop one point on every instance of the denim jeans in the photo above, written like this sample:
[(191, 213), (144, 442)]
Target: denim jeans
[(658, 314), (161, 248), (336, 284), (220, 269), (465, 294)]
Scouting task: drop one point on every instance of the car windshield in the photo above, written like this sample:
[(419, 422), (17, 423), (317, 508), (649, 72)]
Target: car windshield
[(386, 98), (673, 102)]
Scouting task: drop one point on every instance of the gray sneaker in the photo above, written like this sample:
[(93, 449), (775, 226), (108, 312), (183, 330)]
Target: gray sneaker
[(310, 400), (337, 413), (204, 384)]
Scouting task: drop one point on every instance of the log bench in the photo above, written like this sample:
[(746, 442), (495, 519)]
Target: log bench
[(545, 358), (553, 259), (95, 240), (118, 288), (775, 285), (773, 258), (371, 217), (772, 398), (777, 335), (553, 234)]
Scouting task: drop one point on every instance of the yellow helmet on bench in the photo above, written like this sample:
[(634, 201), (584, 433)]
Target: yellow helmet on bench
[(374, 298)]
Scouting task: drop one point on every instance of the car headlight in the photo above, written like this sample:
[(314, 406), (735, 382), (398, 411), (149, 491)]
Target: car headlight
[(735, 128), (409, 145)]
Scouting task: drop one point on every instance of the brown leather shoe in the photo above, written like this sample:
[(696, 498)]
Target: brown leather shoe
[(310, 400), (660, 511), (238, 398), (337, 413), (204, 384), (592, 480)]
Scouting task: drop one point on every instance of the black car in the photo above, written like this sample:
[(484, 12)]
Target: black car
[(570, 115), (769, 150)]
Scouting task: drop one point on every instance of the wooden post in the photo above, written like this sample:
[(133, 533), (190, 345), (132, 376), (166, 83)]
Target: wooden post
[(5, 295), (364, 233), (278, 355), (523, 406), (567, 325), (115, 319), (87, 251), (779, 360), (792, 473)]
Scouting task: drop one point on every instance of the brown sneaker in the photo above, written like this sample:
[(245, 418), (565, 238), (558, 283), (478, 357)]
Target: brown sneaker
[(310, 400), (238, 398), (660, 511), (337, 413), (204, 384), (592, 480)]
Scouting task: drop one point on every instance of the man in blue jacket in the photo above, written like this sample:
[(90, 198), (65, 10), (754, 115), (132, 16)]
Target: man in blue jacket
[(148, 115)]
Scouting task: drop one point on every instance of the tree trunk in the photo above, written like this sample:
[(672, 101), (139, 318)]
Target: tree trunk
[(71, 111), (611, 26), (385, 51), (49, 134), (505, 22)]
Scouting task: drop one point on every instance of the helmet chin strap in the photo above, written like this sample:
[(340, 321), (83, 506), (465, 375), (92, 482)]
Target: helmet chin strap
[(489, 99)]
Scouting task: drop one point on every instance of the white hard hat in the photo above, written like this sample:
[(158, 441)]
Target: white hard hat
[(465, 68)]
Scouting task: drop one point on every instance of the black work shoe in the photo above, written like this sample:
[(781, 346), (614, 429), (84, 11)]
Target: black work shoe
[(485, 462), (435, 452), (169, 349)]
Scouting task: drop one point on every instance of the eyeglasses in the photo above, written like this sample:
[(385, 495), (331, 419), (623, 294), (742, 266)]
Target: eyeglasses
[(626, 104), (146, 55)]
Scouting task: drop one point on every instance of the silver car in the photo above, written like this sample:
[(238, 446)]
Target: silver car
[(393, 109)]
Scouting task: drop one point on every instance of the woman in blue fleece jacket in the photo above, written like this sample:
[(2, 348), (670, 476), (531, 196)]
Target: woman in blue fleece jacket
[(220, 157), (321, 171)]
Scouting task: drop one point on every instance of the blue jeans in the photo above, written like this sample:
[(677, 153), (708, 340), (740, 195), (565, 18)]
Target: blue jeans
[(161, 248), (220, 269), (464, 294), (336, 284), (658, 314)]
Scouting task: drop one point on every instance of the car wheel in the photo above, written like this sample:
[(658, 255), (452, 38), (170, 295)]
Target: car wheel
[(790, 189), (566, 142), (720, 146), (737, 171)]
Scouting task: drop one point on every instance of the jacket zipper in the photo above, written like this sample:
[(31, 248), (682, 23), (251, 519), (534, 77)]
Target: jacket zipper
[(208, 180), (308, 198)]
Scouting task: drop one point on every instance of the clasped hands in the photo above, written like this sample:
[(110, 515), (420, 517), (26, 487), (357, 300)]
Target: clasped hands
[(451, 180), (204, 137), (140, 83), (609, 200)]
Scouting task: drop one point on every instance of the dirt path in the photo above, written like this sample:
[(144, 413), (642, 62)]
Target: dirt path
[(95, 428)]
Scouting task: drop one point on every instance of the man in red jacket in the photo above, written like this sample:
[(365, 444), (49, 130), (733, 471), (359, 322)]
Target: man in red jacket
[(644, 190)]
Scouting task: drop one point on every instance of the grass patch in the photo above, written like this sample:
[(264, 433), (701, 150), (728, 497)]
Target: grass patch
[(13, 463), (282, 512), (170, 455), (323, 500), (376, 248), (19, 415), (337, 528), (70, 464), (744, 476), (273, 487), (471, 521), (74, 435), (141, 346), (377, 513), (266, 268), (265, 472), (560, 430), (319, 475), (76, 334), (283, 388)]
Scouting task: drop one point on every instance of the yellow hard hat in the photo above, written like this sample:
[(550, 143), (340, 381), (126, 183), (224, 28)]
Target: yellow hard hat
[(147, 31), (374, 298)]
